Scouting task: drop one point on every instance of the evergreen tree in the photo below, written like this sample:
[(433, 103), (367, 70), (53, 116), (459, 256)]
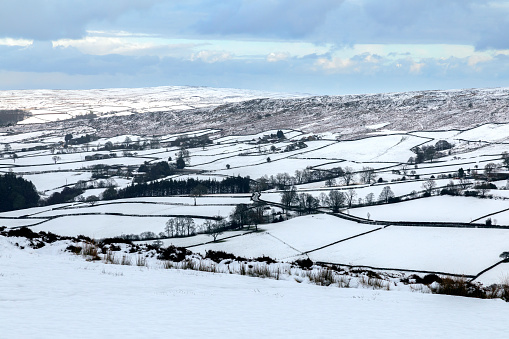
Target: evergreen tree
[(16, 193)]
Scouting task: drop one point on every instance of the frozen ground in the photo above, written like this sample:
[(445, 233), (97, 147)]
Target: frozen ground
[(442, 208), (102, 226), (285, 240), (450, 250), (48, 294), (51, 105), (495, 276), (383, 149), (179, 302)]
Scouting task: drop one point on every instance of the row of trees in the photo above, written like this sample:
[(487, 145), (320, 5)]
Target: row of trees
[(346, 177), (182, 227), (334, 200), (307, 203), (230, 185)]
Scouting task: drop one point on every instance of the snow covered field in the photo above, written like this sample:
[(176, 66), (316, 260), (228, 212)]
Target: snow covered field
[(384, 148), (173, 300), (50, 105), (289, 239), (102, 226), (49, 294), (451, 250), (442, 208)]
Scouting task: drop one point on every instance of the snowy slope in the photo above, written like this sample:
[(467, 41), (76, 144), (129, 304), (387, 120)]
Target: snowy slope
[(47, 294), (451, 250), (50, 105)]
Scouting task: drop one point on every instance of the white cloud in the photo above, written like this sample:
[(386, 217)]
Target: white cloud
[(478, 58), (99, 45), (275, 57), (335, 64), (15, 42), (416, 67), (126, 45), (372, 59), (211, 56), (118, 34)]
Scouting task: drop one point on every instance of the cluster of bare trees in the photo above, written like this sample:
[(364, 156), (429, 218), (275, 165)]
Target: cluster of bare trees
[(307, 203), (214, 228), (245, 214), (332, 177), (179, 226), (185, 226)]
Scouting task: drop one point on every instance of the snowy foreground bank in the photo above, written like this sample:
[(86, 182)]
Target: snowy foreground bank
[(48, 293)]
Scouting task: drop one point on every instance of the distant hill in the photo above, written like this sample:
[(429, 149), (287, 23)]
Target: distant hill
[(350, 115)]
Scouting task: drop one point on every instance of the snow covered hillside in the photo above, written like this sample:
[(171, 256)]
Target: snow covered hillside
[(173, 217), (173, 109), (53, 105), (48, 293)]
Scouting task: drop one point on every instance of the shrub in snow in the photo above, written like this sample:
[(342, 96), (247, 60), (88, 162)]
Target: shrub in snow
[(265, 259), (304, 263), (504, 255), (218, 256), (174, 253)]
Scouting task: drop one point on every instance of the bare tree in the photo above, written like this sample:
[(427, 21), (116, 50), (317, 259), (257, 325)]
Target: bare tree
[(367, 175), (347, 175), (127, 141), (386, 194), (110, 182), (336, 200), (214, 228), (170, 228), (298, 177), (239, 216), (255, 214), (308, 203), (350, 194), (289, 197), (184, 154), (429, 152), (465, 183), (483, 188), (55, 158), (429, 185), (179, 226), (505, 159), (404, 169), (324, 199), (307, 176), (370, 197), (198, 191), (330, 182), (283, 180), (489, 169), (189, 225)]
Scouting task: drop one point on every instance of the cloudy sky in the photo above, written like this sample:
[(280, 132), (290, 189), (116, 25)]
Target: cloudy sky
[(307, 46)]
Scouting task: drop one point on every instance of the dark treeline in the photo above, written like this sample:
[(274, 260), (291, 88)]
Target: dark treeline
[(16, 193), (67, 194), (180, 187), (155, 171), (11, 117)]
